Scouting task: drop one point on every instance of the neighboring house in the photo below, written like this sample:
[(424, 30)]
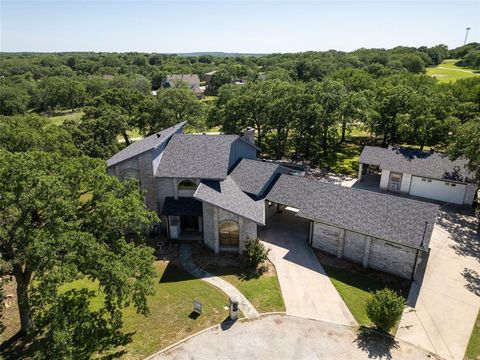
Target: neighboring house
[(207, 78), (212, 188), (192, 80), (420, 173)]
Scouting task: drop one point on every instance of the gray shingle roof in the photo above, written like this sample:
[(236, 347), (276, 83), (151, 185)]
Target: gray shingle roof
[(388, 217), (416, 162), (254, 176), (182, 206), (228, 196), (197, 156), (190, 79), (146, 144)]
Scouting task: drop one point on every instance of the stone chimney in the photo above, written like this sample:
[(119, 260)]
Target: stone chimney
[(249, 135)]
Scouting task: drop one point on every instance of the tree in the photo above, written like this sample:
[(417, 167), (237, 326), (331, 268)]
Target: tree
[(170, 107), (467, 143), (330, 95), (385, 308), (62, 219), (255, 252), (13, 100), (412, 63), (22, 133), (122, 105)]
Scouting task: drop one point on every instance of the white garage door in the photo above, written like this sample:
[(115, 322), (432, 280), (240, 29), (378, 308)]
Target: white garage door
[(438, 190)]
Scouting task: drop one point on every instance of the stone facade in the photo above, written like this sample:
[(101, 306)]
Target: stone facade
[(213, 216), (142, 165), (369, 251)]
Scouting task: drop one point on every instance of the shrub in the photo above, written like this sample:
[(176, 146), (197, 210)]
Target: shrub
[(255, 252), (385, 308)]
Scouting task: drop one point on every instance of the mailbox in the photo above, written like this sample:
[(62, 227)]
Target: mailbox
[(234, 308)]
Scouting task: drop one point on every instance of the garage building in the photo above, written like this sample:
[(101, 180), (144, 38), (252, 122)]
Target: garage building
[(420, 173)]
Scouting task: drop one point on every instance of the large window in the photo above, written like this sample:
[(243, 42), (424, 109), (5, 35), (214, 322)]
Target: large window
[(187, 185), (228, 233)]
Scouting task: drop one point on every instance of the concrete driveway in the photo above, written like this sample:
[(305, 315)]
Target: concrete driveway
[(306, 289), (285, 337), (443, 309)]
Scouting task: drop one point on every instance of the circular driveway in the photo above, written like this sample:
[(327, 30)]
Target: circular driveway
[(288, 337)]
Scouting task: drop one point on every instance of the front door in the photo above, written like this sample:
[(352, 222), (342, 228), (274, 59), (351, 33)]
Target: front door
[(189, 222), (395, 182)]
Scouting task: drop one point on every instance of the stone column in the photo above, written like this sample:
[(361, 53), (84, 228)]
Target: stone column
[(360, 170), (215, 230), (366, 251), (241, 234), (340, 243)]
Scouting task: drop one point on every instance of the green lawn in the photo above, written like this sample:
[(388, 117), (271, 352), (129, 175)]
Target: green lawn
[(343, 159), (263, 292), (170, 308), (447, 71), (473, 348), (355, 287), (60, 118)]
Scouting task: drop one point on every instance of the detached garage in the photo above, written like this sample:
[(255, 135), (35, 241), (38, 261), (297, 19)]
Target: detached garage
[(447, 191), (419, 173)]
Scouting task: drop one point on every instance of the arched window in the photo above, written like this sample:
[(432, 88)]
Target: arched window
[(228, 233), (129, 174), (187, 185)]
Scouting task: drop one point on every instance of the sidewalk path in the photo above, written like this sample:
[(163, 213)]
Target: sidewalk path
[(187, 262)]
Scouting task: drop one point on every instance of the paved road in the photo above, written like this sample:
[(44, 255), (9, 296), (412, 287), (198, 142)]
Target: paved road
[(306, 289), (187, 262), (285, 337), (443, 310)]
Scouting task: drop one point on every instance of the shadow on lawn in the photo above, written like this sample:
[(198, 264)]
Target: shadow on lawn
[(174, 273), (375, 344)]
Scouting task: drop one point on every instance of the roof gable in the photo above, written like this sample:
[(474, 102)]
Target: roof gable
[(228, 196), (146, 144), (254, 176)]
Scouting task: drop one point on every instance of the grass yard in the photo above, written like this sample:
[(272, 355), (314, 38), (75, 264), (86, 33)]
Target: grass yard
[(60, 118), (171, 306), (355, 284), (473, 348), (447, 71), (263, 292), (343, 159)]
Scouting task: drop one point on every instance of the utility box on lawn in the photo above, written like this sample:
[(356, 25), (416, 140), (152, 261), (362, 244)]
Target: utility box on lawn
[(234, 308)]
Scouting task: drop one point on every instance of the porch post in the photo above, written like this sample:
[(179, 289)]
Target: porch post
[(360, 170)]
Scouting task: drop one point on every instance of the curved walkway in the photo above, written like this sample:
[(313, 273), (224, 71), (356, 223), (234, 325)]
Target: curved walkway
[(187, 262), (288, 337)]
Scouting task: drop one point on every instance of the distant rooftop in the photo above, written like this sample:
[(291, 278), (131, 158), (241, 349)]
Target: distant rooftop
[(420, 163)]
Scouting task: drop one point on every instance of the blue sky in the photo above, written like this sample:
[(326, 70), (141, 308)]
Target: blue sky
[(233, 26)]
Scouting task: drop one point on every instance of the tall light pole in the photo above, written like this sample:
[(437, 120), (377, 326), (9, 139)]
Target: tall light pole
[(466, 36)]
